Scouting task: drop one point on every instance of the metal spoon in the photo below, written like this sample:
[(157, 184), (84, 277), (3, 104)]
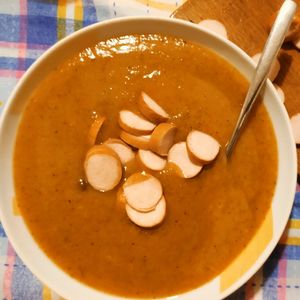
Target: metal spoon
[(272, 46)]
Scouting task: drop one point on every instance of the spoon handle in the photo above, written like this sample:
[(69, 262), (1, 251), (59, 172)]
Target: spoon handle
[(269, 54)]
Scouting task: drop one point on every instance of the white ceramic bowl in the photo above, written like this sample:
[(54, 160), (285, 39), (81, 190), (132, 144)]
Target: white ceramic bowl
[(259, 248)]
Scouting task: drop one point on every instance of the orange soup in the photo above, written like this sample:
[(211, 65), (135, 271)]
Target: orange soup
[(209, 219)]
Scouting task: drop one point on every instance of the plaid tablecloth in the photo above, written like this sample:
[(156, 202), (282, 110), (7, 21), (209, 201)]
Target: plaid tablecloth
[(27, 29)]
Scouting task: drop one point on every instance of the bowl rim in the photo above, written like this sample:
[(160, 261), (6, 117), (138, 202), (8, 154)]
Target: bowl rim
[(119, 21)]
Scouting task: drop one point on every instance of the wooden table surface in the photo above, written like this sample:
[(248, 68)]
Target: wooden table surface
[(247, 22)]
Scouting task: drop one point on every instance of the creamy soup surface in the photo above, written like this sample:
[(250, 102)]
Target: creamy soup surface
[(209, 219)]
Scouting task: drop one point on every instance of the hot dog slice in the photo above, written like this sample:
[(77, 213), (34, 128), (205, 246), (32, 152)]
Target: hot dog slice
[(94, 130), (151, 110), (178, 155), (151, 160), (124, 152), (142, 191), (136, 141), (148, 219), (134, 124), (202, 147), (162, 138), (103, 168)]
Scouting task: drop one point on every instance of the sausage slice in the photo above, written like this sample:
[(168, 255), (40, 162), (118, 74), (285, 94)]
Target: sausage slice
[(142, 191), (134, 124), (151, 161), (178, 155), (103, 168), (151, 110), (94, 130), (136, 141), (124, 152), (162, 138), (202, 147), (148, 219)]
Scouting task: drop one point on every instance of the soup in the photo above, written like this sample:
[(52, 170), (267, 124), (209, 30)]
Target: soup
[(210, 218)]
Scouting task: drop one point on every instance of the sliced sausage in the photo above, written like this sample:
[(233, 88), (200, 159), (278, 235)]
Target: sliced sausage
[(135, 124), (178, 155), (124, 152), (103, 168), (162, 138), (142, 191), (202, 147), (94, 130), (151, 161), (136, 141), (151, 110), (148, 219)]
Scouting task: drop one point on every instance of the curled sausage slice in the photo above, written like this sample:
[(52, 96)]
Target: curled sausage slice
[(148, 219), (136, 141), (134, 124), (142, 191), (151, 110), (151, 160), (94, 130), (178, 155), (162, 138), (124, 152), (103, 168), (202, 147)]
